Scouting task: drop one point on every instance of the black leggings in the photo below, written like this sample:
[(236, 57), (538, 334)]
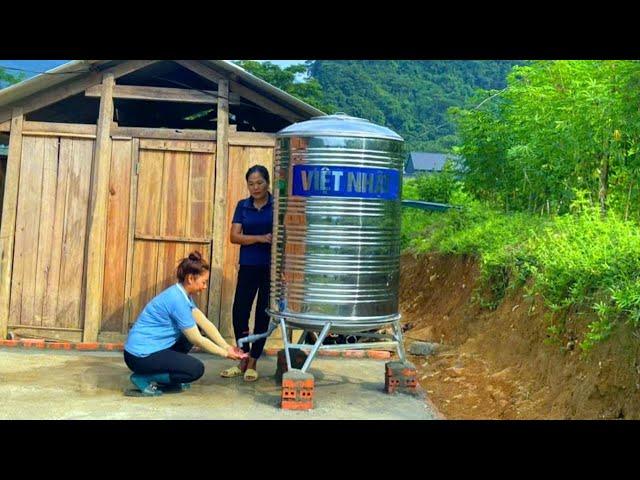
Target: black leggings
[(251, 279), (182, 368)]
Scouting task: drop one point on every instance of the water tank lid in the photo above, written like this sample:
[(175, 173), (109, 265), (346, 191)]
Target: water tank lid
[(340, 125)]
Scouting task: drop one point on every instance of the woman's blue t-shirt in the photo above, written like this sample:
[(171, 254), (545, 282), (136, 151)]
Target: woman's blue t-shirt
[(159, 325)]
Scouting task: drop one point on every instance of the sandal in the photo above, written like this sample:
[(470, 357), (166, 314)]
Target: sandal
[(250, 375), (231, 372)]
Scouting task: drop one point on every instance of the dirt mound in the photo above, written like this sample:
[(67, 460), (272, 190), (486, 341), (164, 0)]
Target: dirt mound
[(502, 364)]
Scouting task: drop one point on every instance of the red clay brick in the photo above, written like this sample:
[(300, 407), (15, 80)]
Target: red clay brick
[(288, 383), (293, 405), (378, 354), (87, 346), (354, 353), (9, 343), (32, 342), (329, 353), (288, 393), (59, 345), (271, 351)]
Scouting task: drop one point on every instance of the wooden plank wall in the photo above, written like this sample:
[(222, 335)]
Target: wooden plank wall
[(51, 228), (240, 160), (172, 216)]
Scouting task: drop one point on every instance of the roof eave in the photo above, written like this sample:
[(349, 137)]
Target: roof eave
[(45, 80), (72, 69)]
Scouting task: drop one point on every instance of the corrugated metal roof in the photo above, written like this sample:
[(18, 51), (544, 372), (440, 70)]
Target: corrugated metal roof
[(429, 161), (75, 68)]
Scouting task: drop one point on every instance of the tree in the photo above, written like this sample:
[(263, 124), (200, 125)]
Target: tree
[(7, 78), (287, 79), (559, 127)]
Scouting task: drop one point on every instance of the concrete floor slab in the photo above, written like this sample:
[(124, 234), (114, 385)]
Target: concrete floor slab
[(90, 385)]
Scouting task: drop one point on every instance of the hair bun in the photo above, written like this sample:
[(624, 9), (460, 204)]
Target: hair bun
[(195, 256)]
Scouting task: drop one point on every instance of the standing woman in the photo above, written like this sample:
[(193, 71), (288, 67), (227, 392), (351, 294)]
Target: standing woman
[(251, 229), (166, 330)]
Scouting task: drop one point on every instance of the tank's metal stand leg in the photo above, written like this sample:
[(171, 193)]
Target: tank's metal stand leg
[(397, 335), (316, 346), (314, 349), (285, 340)]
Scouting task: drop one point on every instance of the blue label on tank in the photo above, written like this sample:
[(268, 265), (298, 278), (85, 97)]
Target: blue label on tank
[(314, 180)]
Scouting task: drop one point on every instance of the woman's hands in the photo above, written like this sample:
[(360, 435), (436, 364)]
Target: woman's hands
[(265, 238), (236, 353)]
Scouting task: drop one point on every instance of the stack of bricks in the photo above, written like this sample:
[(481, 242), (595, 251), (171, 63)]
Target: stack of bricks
[(297, 390), (400, 376)]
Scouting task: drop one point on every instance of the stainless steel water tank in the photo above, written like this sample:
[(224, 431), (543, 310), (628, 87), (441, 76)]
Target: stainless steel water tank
[(337, 218)]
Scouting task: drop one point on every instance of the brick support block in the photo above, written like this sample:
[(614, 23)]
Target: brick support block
[(297, 390), (401, 377)]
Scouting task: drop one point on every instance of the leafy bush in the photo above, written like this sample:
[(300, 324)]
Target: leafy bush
[(577, 262)]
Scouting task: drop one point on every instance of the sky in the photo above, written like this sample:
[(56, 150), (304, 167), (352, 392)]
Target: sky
[(37, 66)]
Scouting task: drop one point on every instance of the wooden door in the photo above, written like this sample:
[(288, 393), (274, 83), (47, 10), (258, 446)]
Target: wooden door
[(173, 215)]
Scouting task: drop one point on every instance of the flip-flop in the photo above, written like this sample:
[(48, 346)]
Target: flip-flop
[(250, 375), (231, 372)]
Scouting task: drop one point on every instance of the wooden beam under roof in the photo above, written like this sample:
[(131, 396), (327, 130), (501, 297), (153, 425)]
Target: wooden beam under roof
[(163, 94)]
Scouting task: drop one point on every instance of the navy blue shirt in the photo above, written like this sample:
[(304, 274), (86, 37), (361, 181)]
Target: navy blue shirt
[(255, 222)]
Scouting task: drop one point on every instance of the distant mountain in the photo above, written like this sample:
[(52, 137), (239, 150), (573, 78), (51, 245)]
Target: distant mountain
[(409, 96)]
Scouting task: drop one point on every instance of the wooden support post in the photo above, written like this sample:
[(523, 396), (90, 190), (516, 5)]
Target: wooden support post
[(98, 214), (9, 211), (220, 205)]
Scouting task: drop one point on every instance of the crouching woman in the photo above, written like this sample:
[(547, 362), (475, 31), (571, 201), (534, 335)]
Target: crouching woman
[(168, 327)]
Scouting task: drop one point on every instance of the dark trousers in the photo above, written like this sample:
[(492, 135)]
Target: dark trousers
[(182, 368), (251, 279)]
